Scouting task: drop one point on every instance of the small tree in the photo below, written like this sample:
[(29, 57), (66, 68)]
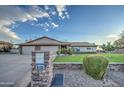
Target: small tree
[(66, 51), (117, 44), (108, 47), (70, 51), (63, 51), (58, 52), (120, 42), (104, 46)]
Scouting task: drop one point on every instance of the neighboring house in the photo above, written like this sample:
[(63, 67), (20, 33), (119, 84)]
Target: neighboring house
[(48, 44), (83, 46), (119, 51), (4, 45), (15, 49)]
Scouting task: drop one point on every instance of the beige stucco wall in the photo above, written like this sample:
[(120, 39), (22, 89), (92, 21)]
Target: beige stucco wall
[(29, 49), (50, 48)]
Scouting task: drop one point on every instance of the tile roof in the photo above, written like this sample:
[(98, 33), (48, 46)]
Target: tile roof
[(82, 44), (31, 43)]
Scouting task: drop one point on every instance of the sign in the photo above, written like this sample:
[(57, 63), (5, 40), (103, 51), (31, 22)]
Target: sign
[(39, 58), (40, 67), (39, 61)]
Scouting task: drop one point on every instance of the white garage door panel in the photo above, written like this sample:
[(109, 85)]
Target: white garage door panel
[(27, 50)]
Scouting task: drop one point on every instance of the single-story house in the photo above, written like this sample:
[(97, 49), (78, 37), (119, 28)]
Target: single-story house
[(4, 45), (49, 44), (119, 50)]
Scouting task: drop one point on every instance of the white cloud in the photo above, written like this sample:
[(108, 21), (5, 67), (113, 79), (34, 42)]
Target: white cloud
[(46, 7), (7, 33), (11, 14), (47, 24), (54, 25), (62, 11), (67, 15), (47, 29), (53, 13), (112, 37)]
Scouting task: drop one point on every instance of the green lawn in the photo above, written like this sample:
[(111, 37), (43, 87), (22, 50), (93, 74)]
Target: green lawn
[(79, 58)]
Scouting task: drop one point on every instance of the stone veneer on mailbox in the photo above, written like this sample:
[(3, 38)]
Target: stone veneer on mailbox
[(44, 77)]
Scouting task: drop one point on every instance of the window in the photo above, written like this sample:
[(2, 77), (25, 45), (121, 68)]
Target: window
[(37, 47), (88, 48), (77, 49)]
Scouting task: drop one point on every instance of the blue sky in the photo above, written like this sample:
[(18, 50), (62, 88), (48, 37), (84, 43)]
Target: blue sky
[(95, 24)]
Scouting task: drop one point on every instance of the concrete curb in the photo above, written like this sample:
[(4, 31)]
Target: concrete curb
[(121, 63), (67, 63)]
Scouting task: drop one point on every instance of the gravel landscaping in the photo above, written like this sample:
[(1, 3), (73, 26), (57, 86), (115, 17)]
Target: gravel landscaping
[(117, 76), (78, 78)]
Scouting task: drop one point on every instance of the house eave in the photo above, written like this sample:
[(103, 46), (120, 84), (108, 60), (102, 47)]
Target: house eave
[(40, 44)]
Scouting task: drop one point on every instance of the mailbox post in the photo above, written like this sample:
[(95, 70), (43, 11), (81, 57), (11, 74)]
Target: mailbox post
[(42, 69)]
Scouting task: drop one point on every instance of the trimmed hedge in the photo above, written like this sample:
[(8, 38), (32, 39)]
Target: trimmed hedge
[(95, 66)]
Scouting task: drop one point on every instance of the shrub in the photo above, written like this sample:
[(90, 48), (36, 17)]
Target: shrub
[(63, 51), (95, 66), (66, 51), (58, 52), (70, 51)]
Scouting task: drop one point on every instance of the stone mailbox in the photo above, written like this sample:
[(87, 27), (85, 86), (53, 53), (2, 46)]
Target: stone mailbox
[(42, 69)]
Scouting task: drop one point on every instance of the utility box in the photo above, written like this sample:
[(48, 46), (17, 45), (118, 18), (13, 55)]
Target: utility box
[(42, 69)]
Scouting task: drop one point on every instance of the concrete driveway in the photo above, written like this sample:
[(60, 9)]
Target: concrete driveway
[(14, 70)]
